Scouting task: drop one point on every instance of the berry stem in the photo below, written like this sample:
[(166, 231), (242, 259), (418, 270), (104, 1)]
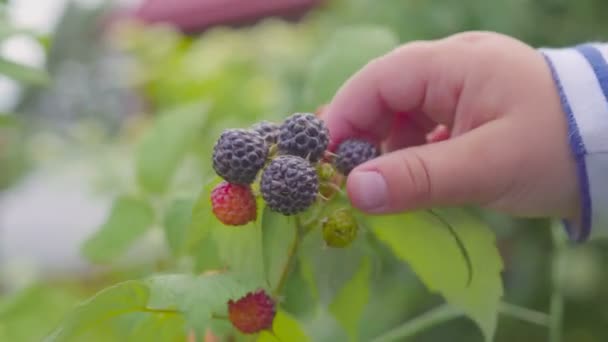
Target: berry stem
[(524, 314), (291, 257), (163, 311), (331, 154), (219, 317), (334, 187)]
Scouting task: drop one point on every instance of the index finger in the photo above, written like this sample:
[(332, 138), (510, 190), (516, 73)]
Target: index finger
[(421, 77)]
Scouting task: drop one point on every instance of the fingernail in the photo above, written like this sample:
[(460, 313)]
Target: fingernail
[(369, 189)]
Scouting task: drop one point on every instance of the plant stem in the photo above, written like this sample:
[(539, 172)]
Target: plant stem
[(524, 314), (220, 317), (412, 327), (163, 311), (556, 309), (446, 312), (290, 258), (556, 314)]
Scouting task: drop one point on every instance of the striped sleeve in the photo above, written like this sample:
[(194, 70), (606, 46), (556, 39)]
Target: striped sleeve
[(581, 78)]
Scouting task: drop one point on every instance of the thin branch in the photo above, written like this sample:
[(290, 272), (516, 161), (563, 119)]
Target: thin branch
[(412, 327), (163, 311), (556, 313), (556, 309), (333, 186), (447, 312), (290, 258), (524, 314)]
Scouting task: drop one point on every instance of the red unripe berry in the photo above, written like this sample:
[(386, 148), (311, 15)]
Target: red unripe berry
[(252, 313), (233, 204)]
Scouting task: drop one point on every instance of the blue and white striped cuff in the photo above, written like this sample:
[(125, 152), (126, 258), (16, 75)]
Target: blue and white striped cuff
[(581, 77)]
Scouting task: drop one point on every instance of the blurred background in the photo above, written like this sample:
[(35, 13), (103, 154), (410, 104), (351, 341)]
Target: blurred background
[(92, 93)]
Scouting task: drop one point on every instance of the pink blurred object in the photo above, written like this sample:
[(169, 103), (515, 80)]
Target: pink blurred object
[(439, 133), (193, 16)]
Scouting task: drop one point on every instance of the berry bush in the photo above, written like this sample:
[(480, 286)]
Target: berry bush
[(224, 179)]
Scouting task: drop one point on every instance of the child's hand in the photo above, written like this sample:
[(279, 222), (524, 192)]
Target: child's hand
[(508, 147)]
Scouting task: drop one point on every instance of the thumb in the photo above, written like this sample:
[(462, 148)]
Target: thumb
[(448, 173)]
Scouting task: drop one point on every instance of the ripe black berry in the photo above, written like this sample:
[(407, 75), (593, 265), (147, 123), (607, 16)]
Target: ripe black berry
[(353, 152), (239, 155), (289, 185), (268, 130), (303, 135)]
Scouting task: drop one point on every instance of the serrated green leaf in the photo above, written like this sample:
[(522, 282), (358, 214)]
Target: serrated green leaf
[(240, 247), (346, 51), (207, 256), (29, 314), (278, 239), (323, 327), (197, 298), (349, 304), (164, 146), (202, 217), (180, 302), (129, 296), (146, 326), (427, 245), (327, 270), (284, 328), (23, 73), (129, 218), (240, 250), (177, 223)]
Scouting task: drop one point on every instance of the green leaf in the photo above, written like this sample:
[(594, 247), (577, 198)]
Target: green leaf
[(202, 217), (346, 51), (240, 249), (278, 239), (328, 270), (284, 328), (177, 224), (349, 304), (197, 298), (165, 145), (23, 73), (129, 218), (29, 314), (430, 248), (155, 327), (207, 256), (180, 302), (129, 296)]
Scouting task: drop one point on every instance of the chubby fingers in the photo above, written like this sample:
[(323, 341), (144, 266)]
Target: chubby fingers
[(451, 172), (421, 77)]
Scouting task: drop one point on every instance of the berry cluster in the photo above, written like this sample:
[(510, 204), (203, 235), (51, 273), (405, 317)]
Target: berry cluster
[(286, 159), (291, 167)]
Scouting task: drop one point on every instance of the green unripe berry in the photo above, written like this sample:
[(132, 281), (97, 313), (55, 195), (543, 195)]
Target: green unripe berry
[(326, 172), (340, 229)]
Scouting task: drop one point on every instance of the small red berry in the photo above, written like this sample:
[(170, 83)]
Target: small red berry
[(233, 204), (252, 313)]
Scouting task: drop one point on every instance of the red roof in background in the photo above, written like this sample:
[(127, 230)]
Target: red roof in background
[(193, 16)]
